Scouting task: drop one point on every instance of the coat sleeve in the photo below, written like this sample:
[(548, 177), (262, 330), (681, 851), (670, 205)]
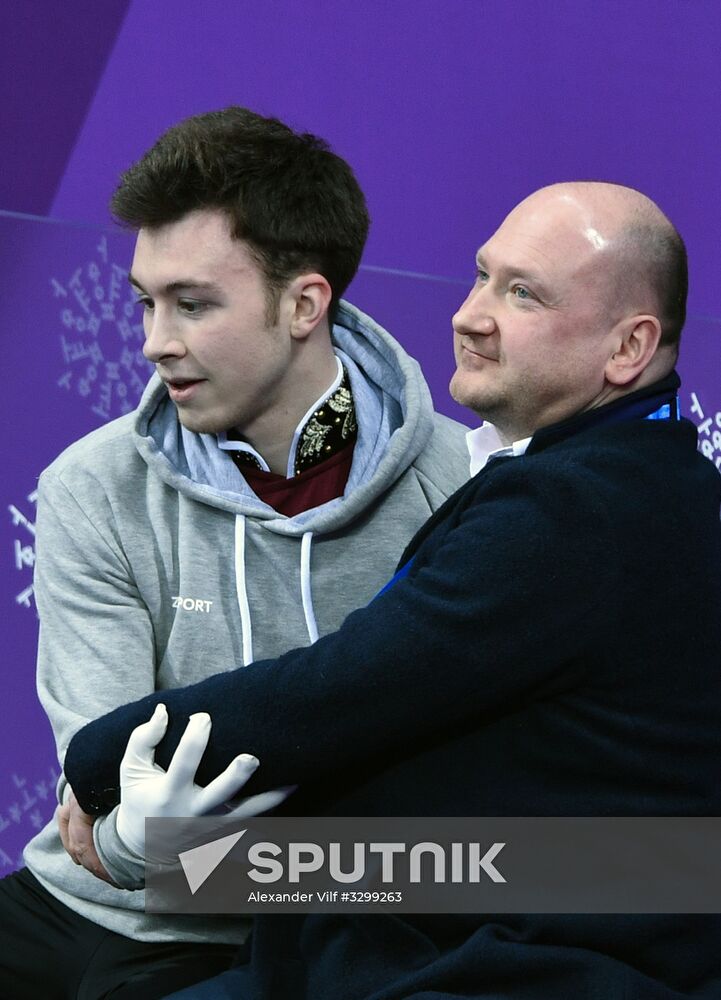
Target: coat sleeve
[(499, 608)]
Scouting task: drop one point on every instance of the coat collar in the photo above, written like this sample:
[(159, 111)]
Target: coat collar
[(639, 404)]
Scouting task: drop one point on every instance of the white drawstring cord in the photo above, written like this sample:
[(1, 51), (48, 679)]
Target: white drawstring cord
[(242, 591), (310, 622)]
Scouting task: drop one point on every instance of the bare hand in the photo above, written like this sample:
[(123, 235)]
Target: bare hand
[(76, 833)]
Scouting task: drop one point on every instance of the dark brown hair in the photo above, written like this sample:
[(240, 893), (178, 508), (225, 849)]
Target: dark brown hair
[(296, 205)]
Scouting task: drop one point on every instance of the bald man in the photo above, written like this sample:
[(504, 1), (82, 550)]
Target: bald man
[(550, 644)]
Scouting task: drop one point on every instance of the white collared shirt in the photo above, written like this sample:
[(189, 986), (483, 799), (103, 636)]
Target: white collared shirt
[(484, 443)]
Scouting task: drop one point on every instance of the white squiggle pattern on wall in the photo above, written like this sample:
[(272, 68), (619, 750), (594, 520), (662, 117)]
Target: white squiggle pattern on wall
[(23, 520), (101, 345), (28, 806), (709, 429)]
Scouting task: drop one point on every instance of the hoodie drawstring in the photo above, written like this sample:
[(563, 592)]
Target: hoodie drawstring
[(242, 590), (310, 622)]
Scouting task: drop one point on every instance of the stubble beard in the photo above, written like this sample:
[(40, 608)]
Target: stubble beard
[(481, 400)]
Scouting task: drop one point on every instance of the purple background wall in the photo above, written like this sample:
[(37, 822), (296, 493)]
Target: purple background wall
[(450, 111)]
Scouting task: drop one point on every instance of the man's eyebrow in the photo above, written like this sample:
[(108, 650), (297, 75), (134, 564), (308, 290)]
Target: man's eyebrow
[(515, 272), (182, 284)]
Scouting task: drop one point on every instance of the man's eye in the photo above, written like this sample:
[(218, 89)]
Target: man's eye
[(145, 302), (521, 292), (191, 306), (481, 275)]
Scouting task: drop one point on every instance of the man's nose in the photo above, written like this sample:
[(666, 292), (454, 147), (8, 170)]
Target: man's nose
[(162, 339), (474, 315)]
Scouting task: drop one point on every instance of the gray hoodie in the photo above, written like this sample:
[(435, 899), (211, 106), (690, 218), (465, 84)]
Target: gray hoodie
[(157, 565)]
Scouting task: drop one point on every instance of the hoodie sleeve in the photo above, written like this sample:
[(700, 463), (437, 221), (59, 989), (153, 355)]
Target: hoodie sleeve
[(498, 605), (95, 649)]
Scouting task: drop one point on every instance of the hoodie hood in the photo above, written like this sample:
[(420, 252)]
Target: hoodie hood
[(394, 411)]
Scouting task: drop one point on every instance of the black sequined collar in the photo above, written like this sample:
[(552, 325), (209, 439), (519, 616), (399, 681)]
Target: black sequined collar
[(331, 427)]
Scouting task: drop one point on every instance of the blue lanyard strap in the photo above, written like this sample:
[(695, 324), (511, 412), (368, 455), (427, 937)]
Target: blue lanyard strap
[(667, 411)]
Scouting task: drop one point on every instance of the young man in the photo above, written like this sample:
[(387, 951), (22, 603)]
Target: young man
[(280, 458), (550, 645)]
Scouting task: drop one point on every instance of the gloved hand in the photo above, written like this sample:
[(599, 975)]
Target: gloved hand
[(147, 790)]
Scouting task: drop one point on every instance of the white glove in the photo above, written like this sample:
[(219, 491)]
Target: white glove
[(147, 790)]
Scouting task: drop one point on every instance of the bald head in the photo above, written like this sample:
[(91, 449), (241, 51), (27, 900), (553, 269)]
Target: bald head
[(627, 235), (579, 299)]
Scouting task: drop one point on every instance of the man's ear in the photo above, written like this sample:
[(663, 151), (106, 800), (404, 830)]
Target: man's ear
[(310, 296), (637, 341)]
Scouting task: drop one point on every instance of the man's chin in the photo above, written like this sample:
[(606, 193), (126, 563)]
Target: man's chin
[(198, 423), (479, 403), (467, 395)]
